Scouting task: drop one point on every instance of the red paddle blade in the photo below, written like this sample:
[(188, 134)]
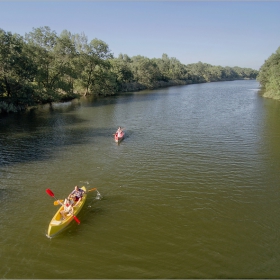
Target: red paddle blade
[(49, 192), (76, 219)]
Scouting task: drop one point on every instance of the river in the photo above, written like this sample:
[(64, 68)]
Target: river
[(191, 192)]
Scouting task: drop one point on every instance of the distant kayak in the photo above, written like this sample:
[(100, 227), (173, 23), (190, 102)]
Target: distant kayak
[(119, 136)]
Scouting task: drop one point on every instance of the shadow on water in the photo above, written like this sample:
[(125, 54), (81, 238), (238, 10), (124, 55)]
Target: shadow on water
[(37, 134), (125, 98), (34, 136)]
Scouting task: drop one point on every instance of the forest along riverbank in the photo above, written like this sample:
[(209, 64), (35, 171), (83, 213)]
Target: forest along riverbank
[(91, 69), (126, 87)]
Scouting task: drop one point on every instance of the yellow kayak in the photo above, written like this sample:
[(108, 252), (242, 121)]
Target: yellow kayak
[(57, 224)]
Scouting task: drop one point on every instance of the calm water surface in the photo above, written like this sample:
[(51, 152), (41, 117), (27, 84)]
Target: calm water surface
[(191, 192)]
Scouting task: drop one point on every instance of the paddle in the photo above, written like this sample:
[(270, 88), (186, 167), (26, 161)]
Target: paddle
[(50, 193), (58, 202), (98, 193), (94, 189)]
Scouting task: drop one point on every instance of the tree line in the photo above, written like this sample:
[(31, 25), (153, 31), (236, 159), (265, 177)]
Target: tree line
[(44, 67), (269, 76)]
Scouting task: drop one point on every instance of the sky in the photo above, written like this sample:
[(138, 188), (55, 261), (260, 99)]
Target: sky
[(225, 33)]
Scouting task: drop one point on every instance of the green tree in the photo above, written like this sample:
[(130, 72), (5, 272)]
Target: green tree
[(94, 64), (269, 76), (66, 63), (121, 68), (171, 68), (54, 56), (145, 71), (17, 72)]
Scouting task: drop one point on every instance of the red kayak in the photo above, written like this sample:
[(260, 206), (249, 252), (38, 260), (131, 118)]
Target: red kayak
[(119, 137)]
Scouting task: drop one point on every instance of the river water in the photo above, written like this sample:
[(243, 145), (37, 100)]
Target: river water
[(191, 192)]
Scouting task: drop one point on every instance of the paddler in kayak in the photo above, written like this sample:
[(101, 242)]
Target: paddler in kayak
[(119, 132), (76, 195), (67, 209)]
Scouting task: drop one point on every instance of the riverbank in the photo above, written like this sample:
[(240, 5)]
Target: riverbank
[(6, 107), (271, 94), (162, 84), (155, 85)]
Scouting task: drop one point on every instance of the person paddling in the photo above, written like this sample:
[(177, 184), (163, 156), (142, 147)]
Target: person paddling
[(67, 209), (76, 195), (119, 132)]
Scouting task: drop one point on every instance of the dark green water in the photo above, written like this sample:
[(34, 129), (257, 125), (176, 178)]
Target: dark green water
[(192, 192)]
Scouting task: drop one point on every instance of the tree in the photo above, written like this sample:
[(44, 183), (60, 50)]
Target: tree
[(94, 63), (17, 72), (66, 63), (269, 75), (54, 56), (145, 71), (120, 67)]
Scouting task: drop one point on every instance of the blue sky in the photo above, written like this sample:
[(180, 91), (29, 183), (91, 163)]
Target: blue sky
[(226, 33)]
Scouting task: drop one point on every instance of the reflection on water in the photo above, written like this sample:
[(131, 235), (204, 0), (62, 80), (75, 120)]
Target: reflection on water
[(191, 192)]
